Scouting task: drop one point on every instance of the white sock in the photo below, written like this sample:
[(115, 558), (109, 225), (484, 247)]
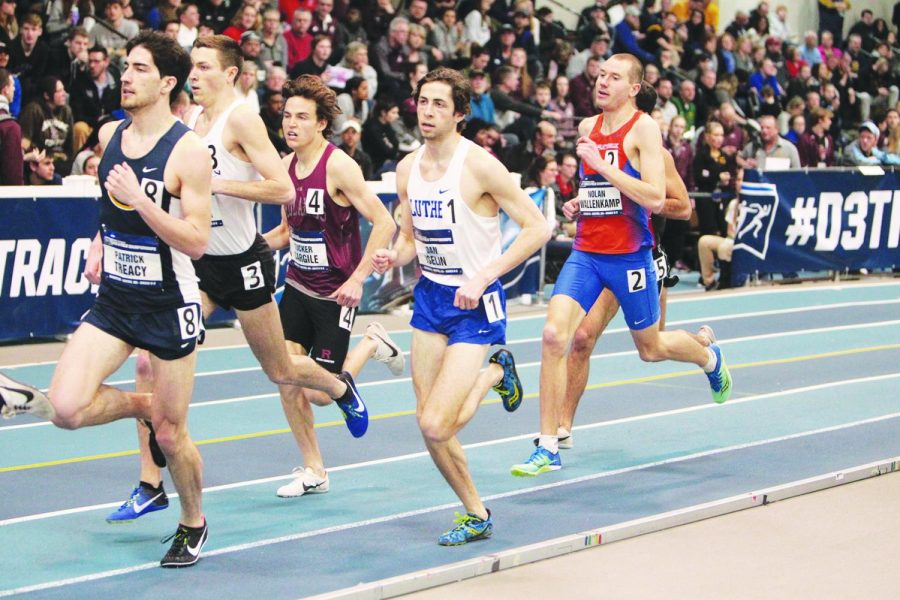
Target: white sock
[(550, 443), (710, 365)]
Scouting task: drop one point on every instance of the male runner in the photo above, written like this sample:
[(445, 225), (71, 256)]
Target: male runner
[(238, 270), (327, 266), (677, 206), (623, 182), (154, 217), (450, 192)]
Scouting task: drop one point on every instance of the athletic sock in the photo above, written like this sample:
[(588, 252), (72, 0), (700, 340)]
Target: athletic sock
[(550, 443), (710, 365), (155, 488)]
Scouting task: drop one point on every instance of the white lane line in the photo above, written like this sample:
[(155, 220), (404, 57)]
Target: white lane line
[(524, 365), (415, 455), (672, 300), (431, 509)]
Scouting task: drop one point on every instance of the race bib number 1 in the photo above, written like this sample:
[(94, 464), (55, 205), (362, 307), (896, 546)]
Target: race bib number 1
[(493, 307)]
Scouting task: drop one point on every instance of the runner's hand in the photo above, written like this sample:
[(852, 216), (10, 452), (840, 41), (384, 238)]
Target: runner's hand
[(122, 183), (572, 209), (349, 294), (93, 267), (383, 259), (468, 296)]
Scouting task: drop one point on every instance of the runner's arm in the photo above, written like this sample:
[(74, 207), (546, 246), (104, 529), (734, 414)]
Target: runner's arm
[(275, 187), (678, 202), (192, 168), (518, 205), (404, 249), (279, 236)]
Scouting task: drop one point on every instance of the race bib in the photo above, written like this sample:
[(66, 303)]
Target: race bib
[(437, 252), (599, 198), (132, 259), (493, 307), (216, 211), (308, 251)]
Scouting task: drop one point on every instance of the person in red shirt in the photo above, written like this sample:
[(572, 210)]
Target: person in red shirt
[(298, 38), (247, 18)]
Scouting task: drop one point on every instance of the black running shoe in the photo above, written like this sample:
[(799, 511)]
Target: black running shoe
[(159, 459), (186, 545)]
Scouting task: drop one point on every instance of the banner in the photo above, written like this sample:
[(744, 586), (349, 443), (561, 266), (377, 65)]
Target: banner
[(44, 243), (820, 220)]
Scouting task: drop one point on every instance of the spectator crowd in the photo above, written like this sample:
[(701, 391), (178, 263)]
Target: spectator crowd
[(757, 95)]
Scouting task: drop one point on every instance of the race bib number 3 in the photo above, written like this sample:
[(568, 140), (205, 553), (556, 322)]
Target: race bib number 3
[(308, 251), (132, 260), (253, 276), (493, 307)]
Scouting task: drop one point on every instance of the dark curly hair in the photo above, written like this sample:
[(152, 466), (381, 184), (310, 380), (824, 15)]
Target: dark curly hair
[(313, 88), (460, 90)]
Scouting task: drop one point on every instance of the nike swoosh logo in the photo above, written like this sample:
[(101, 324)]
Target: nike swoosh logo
[(186, 344), (139, 508), (393, 350), (306, 488), (195, 550), (443, 191), (28, 396), (146, 170), (639, 322), (217, 172)]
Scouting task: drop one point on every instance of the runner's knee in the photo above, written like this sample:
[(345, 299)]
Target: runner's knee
[(651, 352), (554, 339), (169, 436), (584, 341), (434, 426), (143, 370)]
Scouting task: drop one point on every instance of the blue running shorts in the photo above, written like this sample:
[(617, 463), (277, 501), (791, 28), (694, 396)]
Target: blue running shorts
[(434, 312), (630, 277)]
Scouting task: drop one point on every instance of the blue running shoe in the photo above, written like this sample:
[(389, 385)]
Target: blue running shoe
[(468, 529), (510, 387), (540, 461), (720, 378), (353, 408), (144, 499)]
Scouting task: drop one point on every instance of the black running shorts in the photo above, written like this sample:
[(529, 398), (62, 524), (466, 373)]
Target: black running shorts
[(241, 281), (168, 334), (322, 327)]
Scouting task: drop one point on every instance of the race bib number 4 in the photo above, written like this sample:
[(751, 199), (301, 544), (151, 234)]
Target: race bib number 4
[(308, 251), (437, 252), (132, 259)]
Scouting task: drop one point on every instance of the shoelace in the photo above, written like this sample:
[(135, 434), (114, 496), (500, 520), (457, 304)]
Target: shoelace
[(180, 536), (131, 498), (536, 456)]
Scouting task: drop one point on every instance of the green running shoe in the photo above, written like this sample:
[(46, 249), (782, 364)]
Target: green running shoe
[(720, 378), (469, 528), (510, 387), (540, 461)]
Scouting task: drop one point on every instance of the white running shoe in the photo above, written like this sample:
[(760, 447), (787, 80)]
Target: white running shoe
[(707, 332), (306, 482), (18, 398), (387, 351)]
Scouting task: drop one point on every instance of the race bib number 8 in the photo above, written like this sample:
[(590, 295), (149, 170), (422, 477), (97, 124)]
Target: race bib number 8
[(189, 321), (493, 307)]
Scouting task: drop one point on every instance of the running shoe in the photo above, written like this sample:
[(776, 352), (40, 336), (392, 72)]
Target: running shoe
[(387, 352), (566, 442), (305, 482), (719, 378), (143, 500), (707, 332), (18, 398), (352, 407), (186, 545), (469, 528), (510, 387), (159, 459), (540, 461)]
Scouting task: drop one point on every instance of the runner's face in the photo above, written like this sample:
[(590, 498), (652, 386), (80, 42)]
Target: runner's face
[(142, 84), (435, 111), (207, 78), (613, 87), (299, 123)]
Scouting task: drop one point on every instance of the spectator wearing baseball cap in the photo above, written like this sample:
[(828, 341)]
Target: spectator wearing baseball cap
[(482, 104), (864, 151), (350, 133)]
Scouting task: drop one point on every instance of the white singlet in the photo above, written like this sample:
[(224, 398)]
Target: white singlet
[(233, 225), (453, 243)]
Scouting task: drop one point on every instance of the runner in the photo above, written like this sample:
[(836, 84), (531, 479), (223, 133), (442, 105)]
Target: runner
[(154, 217), (238, 270), (450, 193), (619, 189), (327, 268)]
